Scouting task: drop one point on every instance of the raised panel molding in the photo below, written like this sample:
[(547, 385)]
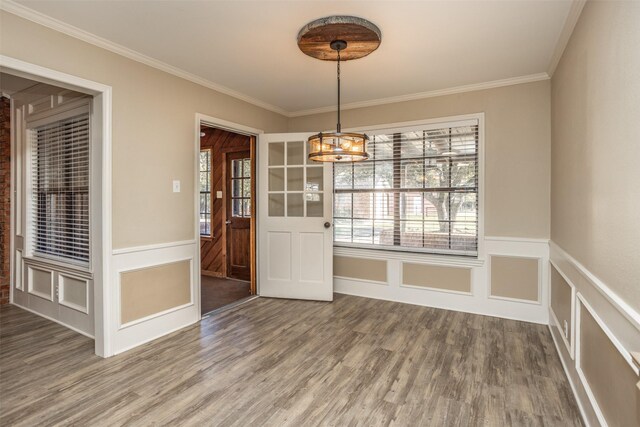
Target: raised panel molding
[(70, 298), (33, 273), (614, 317), (132, 334), (476, 301)]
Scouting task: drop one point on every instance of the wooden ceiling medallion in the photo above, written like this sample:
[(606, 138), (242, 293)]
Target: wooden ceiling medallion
[(362, 37)]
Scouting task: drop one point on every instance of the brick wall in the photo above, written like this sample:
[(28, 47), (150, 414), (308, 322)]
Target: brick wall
[(5, 194)]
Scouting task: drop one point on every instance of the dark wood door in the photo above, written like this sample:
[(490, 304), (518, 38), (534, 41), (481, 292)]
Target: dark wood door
[(238, 214)]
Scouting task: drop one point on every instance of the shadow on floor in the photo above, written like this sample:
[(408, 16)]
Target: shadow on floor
[(219, 291)]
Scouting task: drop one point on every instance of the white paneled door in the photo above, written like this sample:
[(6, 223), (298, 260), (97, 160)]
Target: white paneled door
[(295, 244)]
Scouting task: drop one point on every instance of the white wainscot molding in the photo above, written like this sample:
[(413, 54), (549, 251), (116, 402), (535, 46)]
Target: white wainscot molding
[(478, 301), (133, 334)]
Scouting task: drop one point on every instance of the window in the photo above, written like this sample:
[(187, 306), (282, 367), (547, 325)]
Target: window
[(60, 167), (418, 191), (205, 192), (241, 188)]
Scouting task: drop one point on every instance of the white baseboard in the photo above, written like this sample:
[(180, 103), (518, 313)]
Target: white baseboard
[(53, 320)]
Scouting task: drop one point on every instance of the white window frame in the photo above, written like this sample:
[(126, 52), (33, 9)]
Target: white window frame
[(48, 118), (353, 249)]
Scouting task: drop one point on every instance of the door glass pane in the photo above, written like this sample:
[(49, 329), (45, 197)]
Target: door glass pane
[(314, 205), (236, 168), (246, 168), (236, 207), (314, 179), (295, 153), (246, 206), (294, 179), (276, 179), (246, 188), (276, 154), (276, 204), (294, 205), (236, 188)]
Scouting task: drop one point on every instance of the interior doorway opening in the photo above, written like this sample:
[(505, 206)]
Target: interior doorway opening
[(226, 222)]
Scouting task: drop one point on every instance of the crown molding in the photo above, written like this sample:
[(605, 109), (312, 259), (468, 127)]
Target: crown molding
[(17, 9), (62, 27), (565, 34), (430, 94)]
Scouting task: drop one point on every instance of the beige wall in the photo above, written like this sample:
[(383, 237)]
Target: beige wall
[(436, 277), (153, 128), (360, 268), (517, 138), (608, 374), (514, 277), (595, 197), (155, 289)]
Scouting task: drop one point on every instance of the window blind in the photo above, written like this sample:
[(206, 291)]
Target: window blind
[(60, 164), (418, 191)]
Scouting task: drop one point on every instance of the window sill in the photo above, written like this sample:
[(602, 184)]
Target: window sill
[(62, 267), (452, 260)]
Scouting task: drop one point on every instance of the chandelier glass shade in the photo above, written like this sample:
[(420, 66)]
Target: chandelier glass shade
[(338, 147)]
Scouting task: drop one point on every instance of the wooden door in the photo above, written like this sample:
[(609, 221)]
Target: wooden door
[(295, 241), (238, 181)]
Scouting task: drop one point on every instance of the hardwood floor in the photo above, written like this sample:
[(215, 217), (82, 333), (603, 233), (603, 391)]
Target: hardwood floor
[(218, 292), (355, 361)]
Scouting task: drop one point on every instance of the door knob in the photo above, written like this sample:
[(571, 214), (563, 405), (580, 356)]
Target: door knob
[(327, 224), (228, 222)]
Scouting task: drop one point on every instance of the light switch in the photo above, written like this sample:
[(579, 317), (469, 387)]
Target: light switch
[(176, 186), (218, 194)]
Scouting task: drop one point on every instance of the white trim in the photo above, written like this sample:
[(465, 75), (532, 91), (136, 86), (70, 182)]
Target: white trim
[(520, 300), (624, 308), (153, 316), (565, 34), (355, 279), (54, 320), (429, 94), (148, 265), (557, 324), (569, 342), (516, 239), (569, 378), (617, 344), (61, 276), (477, 301), (70, 30), (214, 122), (443, 260), (429, 288), (39, 294), (156, 336), (582, 377), (131, 249), (103, 304)]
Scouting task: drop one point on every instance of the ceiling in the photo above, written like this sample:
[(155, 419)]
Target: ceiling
[(249, 47)]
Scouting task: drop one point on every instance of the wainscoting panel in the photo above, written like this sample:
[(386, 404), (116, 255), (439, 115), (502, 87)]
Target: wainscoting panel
[(374, 270), (453, 283), (155, 292), (604, 333)]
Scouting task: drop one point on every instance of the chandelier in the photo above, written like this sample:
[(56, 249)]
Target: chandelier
[(338, 38)]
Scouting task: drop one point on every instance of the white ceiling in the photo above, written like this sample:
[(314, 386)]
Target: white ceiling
[(250, 46)]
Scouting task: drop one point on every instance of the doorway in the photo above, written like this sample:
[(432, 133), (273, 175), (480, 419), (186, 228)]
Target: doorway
[(226, 220)]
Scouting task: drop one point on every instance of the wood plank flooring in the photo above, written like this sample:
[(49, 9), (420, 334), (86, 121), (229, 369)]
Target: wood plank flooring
[(219, 291), (355, 361)]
